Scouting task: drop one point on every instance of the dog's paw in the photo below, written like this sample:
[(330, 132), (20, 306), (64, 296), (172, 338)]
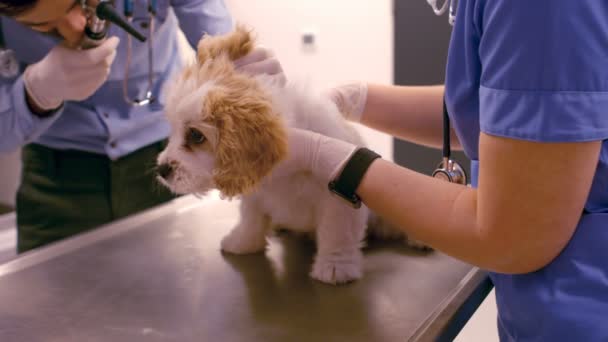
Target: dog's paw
[(337, 270), (238, 243)]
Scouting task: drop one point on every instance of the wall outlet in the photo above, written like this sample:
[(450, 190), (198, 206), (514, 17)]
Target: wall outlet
[(309, 38)]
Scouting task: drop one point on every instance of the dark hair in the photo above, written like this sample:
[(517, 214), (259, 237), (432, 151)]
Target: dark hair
[(13, 8)]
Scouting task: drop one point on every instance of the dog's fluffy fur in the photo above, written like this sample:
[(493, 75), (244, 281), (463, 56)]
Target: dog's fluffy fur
[(228, 132)]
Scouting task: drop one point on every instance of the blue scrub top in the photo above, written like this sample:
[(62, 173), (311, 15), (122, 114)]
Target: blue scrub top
[(537, 70)]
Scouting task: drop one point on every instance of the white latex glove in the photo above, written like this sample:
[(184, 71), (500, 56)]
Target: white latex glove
[(261, 61), (325, 157), (350, 99), (66, 74)]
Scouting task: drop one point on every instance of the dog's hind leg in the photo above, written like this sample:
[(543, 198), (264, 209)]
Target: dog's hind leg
[(339, 238), (379, 228)]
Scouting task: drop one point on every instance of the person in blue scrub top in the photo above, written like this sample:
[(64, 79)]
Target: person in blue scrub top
[(527, 95), (88, 155)]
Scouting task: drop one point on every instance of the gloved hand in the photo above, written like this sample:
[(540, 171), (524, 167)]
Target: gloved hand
[(68, 74), (323, 156), (261, 61), (350, 99)]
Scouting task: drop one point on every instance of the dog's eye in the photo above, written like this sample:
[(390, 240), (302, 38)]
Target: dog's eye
[(194, 137)]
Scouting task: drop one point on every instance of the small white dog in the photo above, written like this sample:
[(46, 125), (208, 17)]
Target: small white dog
[(228, 132)]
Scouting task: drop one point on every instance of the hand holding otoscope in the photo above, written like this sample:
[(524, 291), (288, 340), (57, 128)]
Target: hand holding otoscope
[(67, 74), (99, 15)]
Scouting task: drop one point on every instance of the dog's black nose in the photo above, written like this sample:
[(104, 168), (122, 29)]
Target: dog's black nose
[(164, 170)]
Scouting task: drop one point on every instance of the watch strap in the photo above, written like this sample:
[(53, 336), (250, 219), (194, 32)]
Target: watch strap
[(345, 185)]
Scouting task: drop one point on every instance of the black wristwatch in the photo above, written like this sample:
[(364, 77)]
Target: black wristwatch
[(349, 179)]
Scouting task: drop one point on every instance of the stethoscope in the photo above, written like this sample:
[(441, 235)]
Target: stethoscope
[(99, 14), (9, 66), (448, 169), (452, 4), (128, 13)]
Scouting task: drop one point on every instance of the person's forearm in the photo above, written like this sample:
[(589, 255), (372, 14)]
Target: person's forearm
[(412, 113), (514, 222), (441, 214)]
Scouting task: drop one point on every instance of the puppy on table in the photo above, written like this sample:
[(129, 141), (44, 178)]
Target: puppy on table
[(229, 132)]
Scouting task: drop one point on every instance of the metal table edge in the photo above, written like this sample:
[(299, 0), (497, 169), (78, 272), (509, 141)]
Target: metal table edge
[(449, 317), (101, 233), (7, 220)]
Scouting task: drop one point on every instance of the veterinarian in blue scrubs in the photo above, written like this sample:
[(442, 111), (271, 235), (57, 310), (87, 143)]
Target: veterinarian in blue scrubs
[(88, 155), (527, 94)]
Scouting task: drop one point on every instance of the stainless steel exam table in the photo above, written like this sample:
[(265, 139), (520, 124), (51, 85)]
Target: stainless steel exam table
[(160, 276)]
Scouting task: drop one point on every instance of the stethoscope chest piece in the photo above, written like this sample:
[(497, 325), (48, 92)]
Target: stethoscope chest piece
[(99, 14), (450, 171), (9, 66)]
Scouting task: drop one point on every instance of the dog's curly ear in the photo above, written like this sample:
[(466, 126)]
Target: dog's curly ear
[(252, 139), (235, 45)]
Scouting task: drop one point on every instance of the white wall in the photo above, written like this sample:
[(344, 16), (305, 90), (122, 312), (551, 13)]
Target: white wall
[(482, 326), (10, 169), (353, 41)]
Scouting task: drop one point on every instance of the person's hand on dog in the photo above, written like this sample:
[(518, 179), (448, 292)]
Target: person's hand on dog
[(350, 98), (261, 61), (323, 156)]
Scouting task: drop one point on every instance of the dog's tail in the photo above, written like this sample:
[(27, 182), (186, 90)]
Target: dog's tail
[(379, 228)]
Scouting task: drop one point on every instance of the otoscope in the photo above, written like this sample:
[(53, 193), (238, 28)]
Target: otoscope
[(99, 17)]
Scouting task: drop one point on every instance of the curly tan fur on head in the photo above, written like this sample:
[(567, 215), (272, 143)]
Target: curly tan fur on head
[(248, 137), (252, 139), (235, 45)]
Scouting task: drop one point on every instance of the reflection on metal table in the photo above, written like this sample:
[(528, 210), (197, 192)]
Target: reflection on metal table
[(160, 276)]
